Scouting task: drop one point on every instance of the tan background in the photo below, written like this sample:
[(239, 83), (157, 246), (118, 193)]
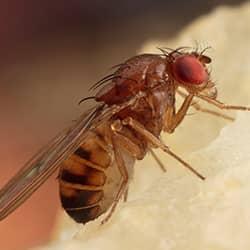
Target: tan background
[(50, 54)]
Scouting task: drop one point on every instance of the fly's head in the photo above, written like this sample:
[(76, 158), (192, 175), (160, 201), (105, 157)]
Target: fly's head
[(189, 70)]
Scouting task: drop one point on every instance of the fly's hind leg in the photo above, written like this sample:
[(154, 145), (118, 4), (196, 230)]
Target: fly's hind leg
[(157, 142), (132, 146), (124, 174)]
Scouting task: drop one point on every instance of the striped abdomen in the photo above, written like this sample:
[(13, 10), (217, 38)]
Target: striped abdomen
[(82, 178), (89, 180)]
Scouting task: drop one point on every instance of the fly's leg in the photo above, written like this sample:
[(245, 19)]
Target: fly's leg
[(158, 161), (132, 147), (124, 173), (222, 105), (173, 119), (125, 196), (157, 142), (204, 110)]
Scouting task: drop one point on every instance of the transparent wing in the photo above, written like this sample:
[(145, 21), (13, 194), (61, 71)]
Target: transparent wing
[(44, 163)]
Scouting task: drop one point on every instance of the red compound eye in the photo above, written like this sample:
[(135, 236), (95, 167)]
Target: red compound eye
[(188, 69)]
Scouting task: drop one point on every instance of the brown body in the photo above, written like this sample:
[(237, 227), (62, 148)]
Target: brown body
[(96, 155), (90, 178)]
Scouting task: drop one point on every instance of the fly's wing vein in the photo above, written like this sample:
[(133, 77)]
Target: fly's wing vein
[(44, 164)]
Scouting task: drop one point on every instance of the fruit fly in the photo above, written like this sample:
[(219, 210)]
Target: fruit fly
[(96, 155)]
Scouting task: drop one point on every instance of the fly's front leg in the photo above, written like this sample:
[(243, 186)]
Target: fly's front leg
[(173, 119), (204, 110), (153, 140), (222, 105)]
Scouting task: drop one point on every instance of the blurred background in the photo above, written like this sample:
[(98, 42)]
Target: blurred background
[(50, 53)]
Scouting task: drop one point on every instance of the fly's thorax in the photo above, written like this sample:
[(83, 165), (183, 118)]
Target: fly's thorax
[(134, 75)]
